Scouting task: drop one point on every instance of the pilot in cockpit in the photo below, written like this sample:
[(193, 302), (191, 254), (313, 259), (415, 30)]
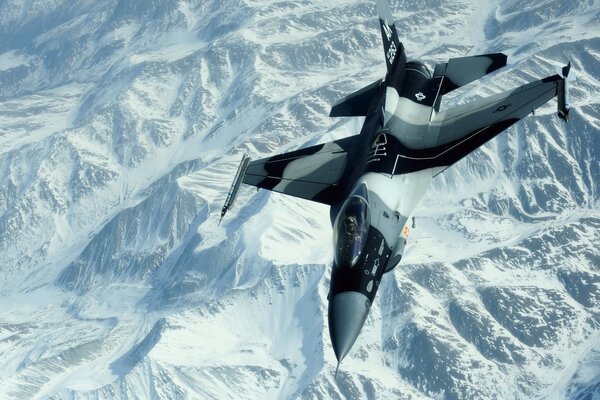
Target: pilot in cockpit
[(351, 228), (351, 239)]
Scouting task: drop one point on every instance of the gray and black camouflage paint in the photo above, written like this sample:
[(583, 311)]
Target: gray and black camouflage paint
[(404, 142)]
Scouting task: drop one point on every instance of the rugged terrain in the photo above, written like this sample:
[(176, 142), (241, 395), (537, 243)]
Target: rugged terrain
[(121, 125)]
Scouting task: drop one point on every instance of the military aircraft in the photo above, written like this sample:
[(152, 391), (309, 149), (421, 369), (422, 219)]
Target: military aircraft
[(374, 180)]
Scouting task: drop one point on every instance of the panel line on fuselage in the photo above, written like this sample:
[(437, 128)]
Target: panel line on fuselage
[(447, 150)]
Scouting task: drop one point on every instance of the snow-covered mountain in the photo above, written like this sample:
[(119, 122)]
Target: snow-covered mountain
[(121, 124)]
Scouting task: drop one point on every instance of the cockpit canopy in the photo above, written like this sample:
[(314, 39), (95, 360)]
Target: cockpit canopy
[(351, 230)]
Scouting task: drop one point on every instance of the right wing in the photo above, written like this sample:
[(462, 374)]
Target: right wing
[(314, 173)]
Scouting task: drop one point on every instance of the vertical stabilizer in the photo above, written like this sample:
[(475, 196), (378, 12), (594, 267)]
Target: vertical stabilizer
[(393, 49)]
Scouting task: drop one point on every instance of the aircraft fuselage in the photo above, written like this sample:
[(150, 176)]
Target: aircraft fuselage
[(374, 180), (390, 198)]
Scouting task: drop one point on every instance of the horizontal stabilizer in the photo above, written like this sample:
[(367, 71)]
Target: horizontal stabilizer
[(357, 104), (458, 72)]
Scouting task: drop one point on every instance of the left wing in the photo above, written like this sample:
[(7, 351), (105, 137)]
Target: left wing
[(314, 173), (461, 130)]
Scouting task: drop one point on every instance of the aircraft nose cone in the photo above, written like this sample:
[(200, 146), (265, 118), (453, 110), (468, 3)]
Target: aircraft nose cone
[(347, 314)]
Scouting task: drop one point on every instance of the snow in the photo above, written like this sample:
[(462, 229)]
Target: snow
[(121, 126), (11, 59)]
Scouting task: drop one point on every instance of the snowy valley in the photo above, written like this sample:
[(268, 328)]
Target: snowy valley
[(121, 126)]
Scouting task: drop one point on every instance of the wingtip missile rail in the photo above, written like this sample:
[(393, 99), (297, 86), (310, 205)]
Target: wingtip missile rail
[(563, 92), (235, 186)]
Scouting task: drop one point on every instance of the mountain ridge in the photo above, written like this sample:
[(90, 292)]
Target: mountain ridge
[(121, 125)]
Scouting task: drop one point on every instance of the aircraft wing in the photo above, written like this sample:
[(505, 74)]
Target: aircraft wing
[(313, 173), (460, 130)]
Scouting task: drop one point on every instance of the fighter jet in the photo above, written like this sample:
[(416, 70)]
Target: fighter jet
[(373, 181)]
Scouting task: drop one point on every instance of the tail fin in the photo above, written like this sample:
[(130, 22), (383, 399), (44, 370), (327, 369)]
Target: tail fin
[(392, 47)]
